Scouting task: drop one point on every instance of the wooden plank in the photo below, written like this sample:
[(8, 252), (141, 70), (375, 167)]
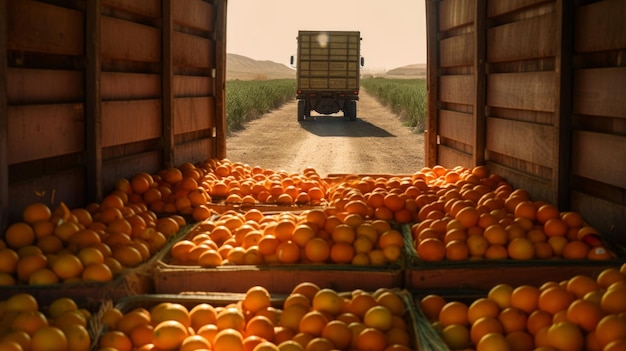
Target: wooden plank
[(193, 114), (600, 26), (93, 108), (457, 89), (218, 108), (192, 51), (455, 13), (40, 131), (524, 91), (195, 151), (525, 141), (28, 86), (127, 167), (432, 84), (457, 50), (167, 80), (599, 157), (480, 72), (4, 132), (607, 217), (130, 86), (600, 92), (150, 8), (125, 122), (497, 8), (450, 158), (194, 13), (539, 189), (124, 40), (188, 86), (39, 27), (522, 40), (457, 126)]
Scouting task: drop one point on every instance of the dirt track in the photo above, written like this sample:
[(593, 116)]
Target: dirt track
[(376, 143)]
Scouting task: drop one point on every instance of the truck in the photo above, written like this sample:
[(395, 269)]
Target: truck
[(328, 71)]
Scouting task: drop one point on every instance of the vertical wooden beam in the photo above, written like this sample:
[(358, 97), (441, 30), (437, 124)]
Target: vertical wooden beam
[(432, 82), (167, 81), (93, 113), (4, 133), (219, 80), (480, 79), (563, 109)]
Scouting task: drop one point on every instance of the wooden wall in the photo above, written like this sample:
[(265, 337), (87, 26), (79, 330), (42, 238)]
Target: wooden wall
[(534, 89), (95, 90)]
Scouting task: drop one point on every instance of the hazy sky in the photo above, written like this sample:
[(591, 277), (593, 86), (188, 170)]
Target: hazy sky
[(393, 32)]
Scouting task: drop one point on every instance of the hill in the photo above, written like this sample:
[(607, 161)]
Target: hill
[(412, 71), (245, 68)]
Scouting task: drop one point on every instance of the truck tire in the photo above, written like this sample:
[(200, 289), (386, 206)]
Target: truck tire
[(352, 110), (301, 110)]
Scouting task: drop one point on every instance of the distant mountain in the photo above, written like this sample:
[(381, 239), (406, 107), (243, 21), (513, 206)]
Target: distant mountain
[(416, 70), (245, 68)]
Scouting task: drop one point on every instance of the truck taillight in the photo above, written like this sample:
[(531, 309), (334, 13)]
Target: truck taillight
[(299, 91), (356, 92)]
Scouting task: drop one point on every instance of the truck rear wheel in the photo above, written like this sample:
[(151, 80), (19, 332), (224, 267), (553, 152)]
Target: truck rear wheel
[(301, 113), (351, 110)]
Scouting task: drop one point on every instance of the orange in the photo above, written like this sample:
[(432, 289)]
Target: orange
[(256, 299), (575, 250), (290, 345), (546, 212), (565, 336), (361, 303), (342, 253), (579, 285), (616, 345), (133, 319), (343, 233), (391, 237), (115, 340), (110, 317), (558, 244), (521, 249), (202, 314), (371, 339), (28, 321), (47, 336), (468, 216), (496, 234), (284, 229), (555, 299), (8, 260), (585, 314), (291, 316), (391, 301), (456, 336), (29, 264), (537, 320), (296, 298), (169, 334), (67, 266), (457, 250), (288, 252), (491, 342), (328, 301), (512, 319), (477, 245), (496, 252), (525, 298), (609, 276), (61, 305), (609, 329), (313, 323), (453, 312), (302, 234), (260, 326), (483, 326), (36, 212), (170, 311), (21, 338), (431, 250), (613, 300), (317, 250), (19, 234), (501, 294), (555, 226), (267, 245), (338, 333), (525, 209), (195, 342), (228, 340), (378, 317), (482, 307), (431, 305)]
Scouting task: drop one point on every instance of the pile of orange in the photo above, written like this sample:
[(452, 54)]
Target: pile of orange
[(94, 244), (470, 215), (580, 313), (309, 236), (309, 318), (28, 326)]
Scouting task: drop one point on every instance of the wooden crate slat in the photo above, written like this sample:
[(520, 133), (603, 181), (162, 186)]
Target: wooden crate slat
[(524, 91), (457, 126), (599, 157), (523, 40), (600, 92), (27, 86), (40, 131), (449, 157), (539, 189), (38, 27), (525, 141), (457, 51), (608, 217), (193, 114), (194, 13), (496, 8), (124, 40), (129, 121), (150, 8), (194, 151), (118, 86), (457, 89), (600, 26), (455, 13), (127, 167), (186, 86), (193, 51)]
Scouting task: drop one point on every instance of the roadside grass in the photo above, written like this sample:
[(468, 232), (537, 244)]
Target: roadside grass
[(405, 97), (247, 100)]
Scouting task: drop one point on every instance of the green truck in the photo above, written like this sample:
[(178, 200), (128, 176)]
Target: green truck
[(328, 71)]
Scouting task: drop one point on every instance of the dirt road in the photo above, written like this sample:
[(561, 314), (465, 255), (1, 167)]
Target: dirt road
[(376, 143)]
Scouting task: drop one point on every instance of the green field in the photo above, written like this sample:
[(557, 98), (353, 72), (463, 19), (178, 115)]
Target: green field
[(247, 100)]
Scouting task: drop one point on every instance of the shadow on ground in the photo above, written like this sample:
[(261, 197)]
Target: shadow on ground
[(327, 126)]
